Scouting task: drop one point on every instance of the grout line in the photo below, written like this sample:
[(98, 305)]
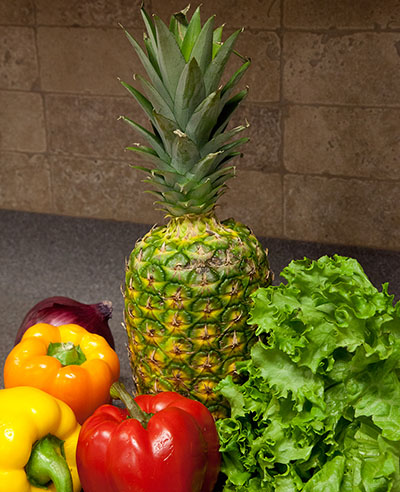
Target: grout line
[(325, 174), (45, 120), (266, 103), (344, 177), (283, 108), (340, 105), (311, 30)]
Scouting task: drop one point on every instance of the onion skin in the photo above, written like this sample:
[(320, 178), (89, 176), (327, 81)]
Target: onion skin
[(59, 310)]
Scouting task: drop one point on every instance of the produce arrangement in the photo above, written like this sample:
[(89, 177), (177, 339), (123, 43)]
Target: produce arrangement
[(240, 385)]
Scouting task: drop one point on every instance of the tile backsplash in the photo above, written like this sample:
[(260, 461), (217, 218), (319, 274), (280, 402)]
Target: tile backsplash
[(323, 161)]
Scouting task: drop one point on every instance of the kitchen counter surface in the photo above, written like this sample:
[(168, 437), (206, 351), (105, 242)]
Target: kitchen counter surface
[(45, 255)]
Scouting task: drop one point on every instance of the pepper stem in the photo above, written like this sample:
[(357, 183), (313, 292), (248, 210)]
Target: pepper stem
[(67, 353), (47, 464), (119, 392)]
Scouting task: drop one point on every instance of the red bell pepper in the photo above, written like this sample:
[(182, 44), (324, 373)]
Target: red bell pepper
[(158, 443)]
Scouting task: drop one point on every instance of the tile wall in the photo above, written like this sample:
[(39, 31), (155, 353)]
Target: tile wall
[(323, 163)]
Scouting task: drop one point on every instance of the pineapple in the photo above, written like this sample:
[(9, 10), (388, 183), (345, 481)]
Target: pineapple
[(188, 283)]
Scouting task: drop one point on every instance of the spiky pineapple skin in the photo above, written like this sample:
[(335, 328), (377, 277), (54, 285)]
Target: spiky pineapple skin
[(187, 297)]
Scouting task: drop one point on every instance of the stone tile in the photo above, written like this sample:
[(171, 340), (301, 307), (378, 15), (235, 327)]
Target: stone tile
[(358, 68), (262, 152), (100, 188), (18, 61), (341, 14), (89, 13), (86, 60), (22, 122), (342, 211), (25, 182), (257, 14), (255, 199), (17, 12), (359, 142), (263, 75), (88, 125)]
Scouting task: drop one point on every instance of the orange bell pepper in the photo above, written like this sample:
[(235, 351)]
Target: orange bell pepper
[(67, 362)]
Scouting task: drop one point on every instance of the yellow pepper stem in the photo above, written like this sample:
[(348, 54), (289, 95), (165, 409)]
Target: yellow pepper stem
[(47, 464)]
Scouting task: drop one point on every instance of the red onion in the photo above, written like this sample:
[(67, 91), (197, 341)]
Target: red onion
[(63, 310)]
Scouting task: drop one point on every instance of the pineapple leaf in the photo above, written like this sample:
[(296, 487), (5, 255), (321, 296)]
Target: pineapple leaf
[(168, 177), (209, 194), (236, 77), (157, 184), (158, 194), (202, 120), (149, 155), (217, 37), (223, 156), (172, 208), (161, 181), (228, 157), (158, 181), (215, 69), (217, 192), (200, 206), (201, 190), (227, 111), (140, 168), (153, 140), (203, 47), (178, 25), (218, 141), (151, 31), (223, 171), (192, 33), (155, 98), (140, 98), (212, 173), (228, 147), (222, 186), (169, 55), (166, 129), (173, 196), (151, 54), (150, 70), (150, 40), (184, 153), (165, 176), (206, 166), (190, 92)]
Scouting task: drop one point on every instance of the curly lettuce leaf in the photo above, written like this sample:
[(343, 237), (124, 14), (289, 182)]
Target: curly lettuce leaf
[(319, 407)]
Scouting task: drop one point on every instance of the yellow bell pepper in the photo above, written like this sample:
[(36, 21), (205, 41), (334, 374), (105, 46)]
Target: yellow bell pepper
[(38, 438)]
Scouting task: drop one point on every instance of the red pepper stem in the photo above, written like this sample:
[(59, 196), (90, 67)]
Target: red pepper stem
[(119, 392), (47, 464)]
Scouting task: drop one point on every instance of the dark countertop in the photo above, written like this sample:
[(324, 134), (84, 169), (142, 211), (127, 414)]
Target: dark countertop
[(44, 255)]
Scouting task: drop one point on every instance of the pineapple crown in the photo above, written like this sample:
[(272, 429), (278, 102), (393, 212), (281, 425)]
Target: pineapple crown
[(189, 111)]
